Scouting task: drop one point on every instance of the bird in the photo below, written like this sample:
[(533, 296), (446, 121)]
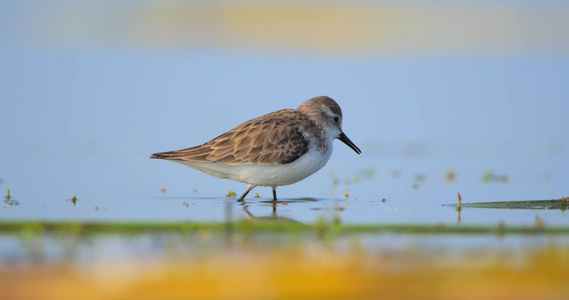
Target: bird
[(276, 149)]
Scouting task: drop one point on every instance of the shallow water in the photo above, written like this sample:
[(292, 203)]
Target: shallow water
[(379, 191)]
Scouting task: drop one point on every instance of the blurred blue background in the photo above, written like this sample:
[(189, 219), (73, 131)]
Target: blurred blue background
[(90, 89)]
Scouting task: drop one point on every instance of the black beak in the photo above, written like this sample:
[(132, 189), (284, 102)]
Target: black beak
[(344, 138)]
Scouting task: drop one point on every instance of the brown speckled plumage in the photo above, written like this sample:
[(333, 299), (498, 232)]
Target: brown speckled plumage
[(275, 138)]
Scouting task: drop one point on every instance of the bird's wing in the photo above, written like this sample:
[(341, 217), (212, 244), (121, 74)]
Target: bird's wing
[(271, 139)]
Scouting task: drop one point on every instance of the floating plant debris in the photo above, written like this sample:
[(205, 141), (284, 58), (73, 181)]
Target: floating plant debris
[(529, 204)]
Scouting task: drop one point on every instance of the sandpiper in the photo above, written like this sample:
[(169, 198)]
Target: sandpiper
[(279, 148)]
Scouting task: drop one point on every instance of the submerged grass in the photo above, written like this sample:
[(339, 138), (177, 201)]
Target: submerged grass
[(266, 225), (562, 204)]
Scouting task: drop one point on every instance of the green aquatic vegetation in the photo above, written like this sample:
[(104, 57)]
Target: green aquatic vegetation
[(355, 179), (490, 176), (335, 180), (419, 177), (30, 229), (368, 173), (321, 225), (9, 201), (358, 177), (529, 204)]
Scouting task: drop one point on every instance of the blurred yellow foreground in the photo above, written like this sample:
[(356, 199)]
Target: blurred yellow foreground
[(302, 272)]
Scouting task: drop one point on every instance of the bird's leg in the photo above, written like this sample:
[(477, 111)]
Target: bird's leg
[(274, 193), (249, 188), (274, 213)]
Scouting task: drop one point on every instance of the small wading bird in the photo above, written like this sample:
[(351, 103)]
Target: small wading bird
[(279, 148)]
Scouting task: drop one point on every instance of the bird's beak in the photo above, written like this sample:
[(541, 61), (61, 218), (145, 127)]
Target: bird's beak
[(344, 138)]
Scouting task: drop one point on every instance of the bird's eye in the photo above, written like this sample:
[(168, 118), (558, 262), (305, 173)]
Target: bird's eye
[(336, 119)]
